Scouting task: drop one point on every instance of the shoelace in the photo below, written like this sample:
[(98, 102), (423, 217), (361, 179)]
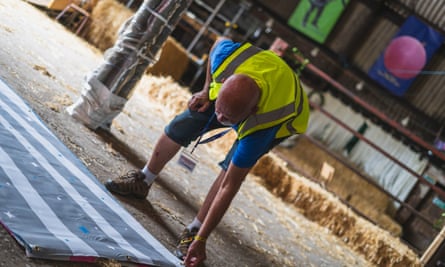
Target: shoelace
[(186, 240), (130, 175)]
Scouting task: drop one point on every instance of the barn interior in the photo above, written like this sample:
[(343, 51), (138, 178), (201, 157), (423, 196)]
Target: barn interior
[(379, 150)]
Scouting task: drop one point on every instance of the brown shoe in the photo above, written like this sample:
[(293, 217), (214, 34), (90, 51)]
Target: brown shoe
[(185, 240), (131, 183)]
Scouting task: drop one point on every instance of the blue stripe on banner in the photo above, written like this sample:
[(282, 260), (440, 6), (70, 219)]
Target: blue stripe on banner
[(70, 212)]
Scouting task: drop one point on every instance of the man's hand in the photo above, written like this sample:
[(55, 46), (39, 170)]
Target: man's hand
[(195, 254), (200, 101)]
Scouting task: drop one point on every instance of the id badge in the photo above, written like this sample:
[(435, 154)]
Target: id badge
[(187, 160)]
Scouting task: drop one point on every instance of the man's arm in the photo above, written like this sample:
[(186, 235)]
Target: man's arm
[(229, 188), (200, 100)]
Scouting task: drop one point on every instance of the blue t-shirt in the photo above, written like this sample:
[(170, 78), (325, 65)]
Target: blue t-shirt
[(252, 146), (220, 52)]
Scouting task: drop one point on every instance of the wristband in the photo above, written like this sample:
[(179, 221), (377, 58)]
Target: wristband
[(200, 238)]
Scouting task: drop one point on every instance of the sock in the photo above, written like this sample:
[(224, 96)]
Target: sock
[(149, 176), (195, 224)]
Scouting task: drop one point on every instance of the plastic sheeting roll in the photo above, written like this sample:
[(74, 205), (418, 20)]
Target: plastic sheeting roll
[(139, 40)]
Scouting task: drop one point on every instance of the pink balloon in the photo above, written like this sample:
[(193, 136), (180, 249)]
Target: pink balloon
[(405, 57)]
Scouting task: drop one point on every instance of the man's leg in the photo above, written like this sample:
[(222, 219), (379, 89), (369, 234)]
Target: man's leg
[(137, 183), (307, 15), (318, 15), (163, 152), (181, 131)]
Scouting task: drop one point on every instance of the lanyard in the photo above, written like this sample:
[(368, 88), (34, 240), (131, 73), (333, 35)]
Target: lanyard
[(211, 138)]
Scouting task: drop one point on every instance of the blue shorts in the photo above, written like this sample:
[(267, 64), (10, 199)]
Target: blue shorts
[(189, 125)]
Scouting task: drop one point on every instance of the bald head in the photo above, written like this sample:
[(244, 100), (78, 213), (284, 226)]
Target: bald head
[(237, 99)]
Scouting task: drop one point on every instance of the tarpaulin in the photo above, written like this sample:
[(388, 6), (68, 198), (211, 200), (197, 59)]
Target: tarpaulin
[(53, 206)]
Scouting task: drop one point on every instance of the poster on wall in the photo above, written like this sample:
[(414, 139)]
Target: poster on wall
[(316, 18), (405, 56)]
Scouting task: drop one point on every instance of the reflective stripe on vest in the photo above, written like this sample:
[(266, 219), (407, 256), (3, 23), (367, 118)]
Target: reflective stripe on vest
[(231, 67), (268, 117), (276, 114)]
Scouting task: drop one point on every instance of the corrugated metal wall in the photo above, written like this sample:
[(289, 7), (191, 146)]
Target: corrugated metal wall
[(431, 10), (357, 19), (429, 90), (376, 42)]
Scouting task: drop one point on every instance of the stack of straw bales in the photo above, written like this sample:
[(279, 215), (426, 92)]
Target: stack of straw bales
[(361, 195), (173, 97), (61, 4), (377, 245)]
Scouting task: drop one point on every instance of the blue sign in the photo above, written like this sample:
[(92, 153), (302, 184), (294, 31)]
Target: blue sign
[(405, 56)]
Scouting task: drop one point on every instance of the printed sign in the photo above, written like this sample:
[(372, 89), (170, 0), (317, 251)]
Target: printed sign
[(316, 18), (405, 56)]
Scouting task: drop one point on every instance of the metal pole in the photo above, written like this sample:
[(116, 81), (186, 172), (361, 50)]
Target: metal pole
[(243, 7), (205, 25), (129, 3)]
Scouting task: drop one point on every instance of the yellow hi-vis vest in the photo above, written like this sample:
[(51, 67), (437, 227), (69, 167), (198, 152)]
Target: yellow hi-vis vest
[(282, 99)]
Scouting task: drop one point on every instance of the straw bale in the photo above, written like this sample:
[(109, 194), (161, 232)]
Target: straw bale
[(269, 165), (366, 198), (318, 205), (60, 4), (173, 60), (308, 158), (107, 18), (382, 219)]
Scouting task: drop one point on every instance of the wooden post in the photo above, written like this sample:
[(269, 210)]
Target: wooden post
[(429, 252)]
